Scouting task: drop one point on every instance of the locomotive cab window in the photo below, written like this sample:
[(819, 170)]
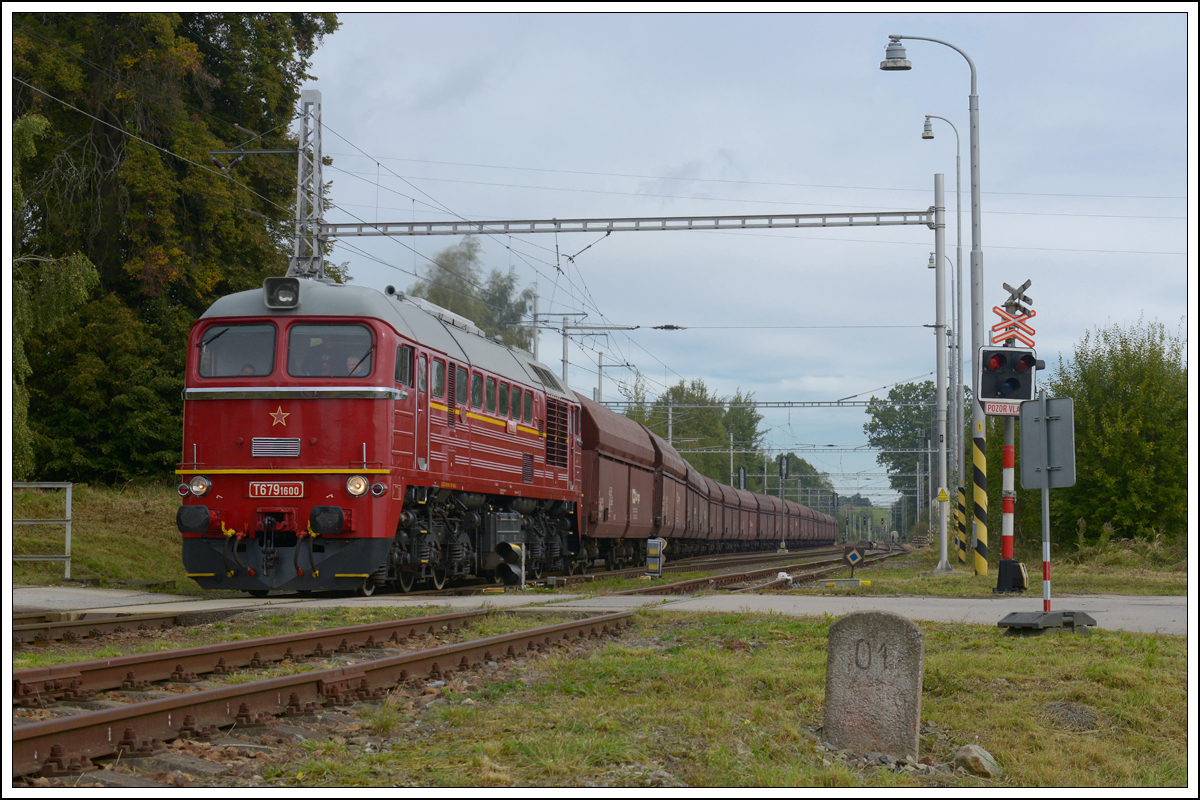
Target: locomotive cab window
[(404, 359), (335, 351), (476, 390), (237, 351), (439, 378), (489, 395), (460, 386)]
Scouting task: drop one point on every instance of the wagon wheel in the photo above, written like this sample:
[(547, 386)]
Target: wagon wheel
[(438, 578), (405, 580), (257, 592), (610, 563), (366, 588)]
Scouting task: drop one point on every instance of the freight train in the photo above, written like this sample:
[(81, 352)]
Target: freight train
[(339, 437)]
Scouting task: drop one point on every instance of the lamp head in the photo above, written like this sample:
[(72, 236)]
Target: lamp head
[(895, 57), (928, 132)]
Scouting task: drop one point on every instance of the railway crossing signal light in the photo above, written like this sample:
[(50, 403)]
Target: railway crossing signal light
[(1006, 373)]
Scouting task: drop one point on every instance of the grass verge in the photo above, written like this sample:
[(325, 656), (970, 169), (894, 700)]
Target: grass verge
[(732, 699)]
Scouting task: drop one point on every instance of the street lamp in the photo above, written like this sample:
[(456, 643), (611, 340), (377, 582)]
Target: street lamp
[(896, 59), (957, 420)]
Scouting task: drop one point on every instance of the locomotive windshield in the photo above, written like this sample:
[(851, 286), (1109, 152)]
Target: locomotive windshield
[(236, 351), (336, 351)]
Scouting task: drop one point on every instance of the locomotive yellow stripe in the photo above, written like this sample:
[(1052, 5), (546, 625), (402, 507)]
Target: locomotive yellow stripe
[(500, 422), (283, 472)]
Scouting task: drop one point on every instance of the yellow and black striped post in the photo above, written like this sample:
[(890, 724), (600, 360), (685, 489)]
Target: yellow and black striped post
[(979, 458), (960, 526)]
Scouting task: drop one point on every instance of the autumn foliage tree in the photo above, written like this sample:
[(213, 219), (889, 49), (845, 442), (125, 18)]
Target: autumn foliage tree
[(122, 177), (454, 279)]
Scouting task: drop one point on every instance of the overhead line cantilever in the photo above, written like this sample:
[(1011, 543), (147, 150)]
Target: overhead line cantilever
[(610, 224)]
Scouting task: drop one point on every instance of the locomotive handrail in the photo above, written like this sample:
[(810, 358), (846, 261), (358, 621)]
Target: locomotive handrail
[(294, 393)]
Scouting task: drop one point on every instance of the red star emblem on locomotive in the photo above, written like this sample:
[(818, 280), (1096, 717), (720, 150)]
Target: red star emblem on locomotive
[(280, 417)]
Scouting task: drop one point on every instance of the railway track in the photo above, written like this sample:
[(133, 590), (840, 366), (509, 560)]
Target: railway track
[(52, 627), (823, 567), (40, 686), (66, 746)]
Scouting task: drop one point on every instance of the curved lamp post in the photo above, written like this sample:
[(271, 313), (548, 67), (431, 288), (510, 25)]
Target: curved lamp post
[(956, 417), (896, 59)]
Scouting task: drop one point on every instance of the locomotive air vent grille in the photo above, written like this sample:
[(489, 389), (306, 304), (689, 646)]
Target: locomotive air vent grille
[(527, 467), (269, 447)]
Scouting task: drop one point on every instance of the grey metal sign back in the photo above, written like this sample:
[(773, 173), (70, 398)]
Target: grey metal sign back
[(1048, 443)]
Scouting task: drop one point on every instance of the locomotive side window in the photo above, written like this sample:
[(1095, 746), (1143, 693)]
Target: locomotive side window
[(476, 390), (439, 378), (404, 359), (237, 351), (489, 395), (421, 374), (460, 388), (516, 403), (528, 406), (324, 350), (504, 399)]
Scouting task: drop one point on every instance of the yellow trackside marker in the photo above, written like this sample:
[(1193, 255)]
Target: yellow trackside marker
[(979, 458), (201, 574)]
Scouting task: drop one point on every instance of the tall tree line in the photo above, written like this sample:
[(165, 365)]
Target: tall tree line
[(125, 231)]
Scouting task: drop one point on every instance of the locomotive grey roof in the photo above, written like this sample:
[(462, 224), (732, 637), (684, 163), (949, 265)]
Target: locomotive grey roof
[(420, 324)]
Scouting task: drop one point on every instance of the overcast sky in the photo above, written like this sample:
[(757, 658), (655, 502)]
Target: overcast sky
[(1084, 131)]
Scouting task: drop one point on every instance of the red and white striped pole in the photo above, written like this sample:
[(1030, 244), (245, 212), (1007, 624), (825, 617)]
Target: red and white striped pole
[(1008, 495), (1046, 565)]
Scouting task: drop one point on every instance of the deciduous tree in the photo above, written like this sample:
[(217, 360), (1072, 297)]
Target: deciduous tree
[(1131, 422)]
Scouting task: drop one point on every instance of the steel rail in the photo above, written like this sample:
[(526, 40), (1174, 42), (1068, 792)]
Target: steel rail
[(86, 625), (79, 680), (66, 745), (717, 580), (805, 575)]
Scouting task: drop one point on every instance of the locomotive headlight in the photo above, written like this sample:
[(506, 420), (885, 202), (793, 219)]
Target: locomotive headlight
[(281, 292), (200, 485), (377, 489), (357, 485)]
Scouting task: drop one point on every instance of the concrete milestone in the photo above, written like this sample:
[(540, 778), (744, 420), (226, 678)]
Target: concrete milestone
[(874, 670)]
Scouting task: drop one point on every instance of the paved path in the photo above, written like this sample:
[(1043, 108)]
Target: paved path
[(1133, 613)]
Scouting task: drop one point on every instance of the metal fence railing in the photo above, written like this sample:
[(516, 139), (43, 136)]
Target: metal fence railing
[(66, 522)]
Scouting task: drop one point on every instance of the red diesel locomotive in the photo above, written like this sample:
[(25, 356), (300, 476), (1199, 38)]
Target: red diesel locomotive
[(337, 437)]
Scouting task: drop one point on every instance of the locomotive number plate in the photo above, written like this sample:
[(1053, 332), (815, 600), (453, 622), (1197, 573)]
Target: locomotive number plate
[(276, 489)]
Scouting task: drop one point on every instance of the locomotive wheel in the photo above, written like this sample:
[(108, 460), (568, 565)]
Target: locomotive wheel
[(572, 567), (405, 581), (438, 578), (534, 571), (257, 592), (366, 588)]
